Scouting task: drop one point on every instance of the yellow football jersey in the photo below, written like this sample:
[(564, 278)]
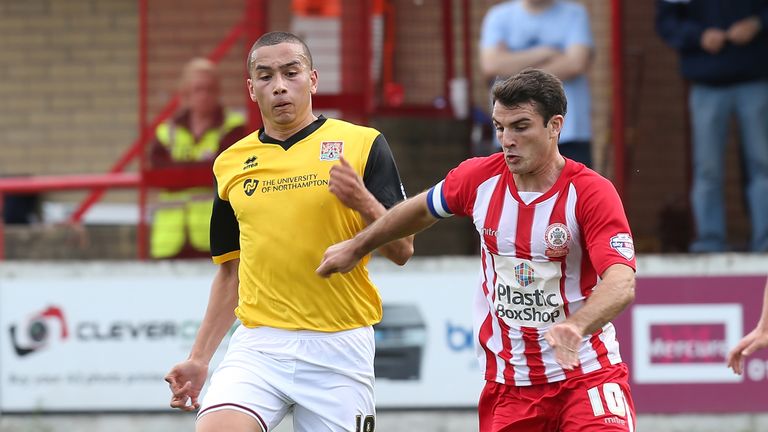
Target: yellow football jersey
[(274, 211)]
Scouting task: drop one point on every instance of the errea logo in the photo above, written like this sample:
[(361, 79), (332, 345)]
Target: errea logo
[(250, 163)]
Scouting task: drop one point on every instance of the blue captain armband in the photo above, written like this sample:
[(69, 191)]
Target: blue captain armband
[(436, 202)]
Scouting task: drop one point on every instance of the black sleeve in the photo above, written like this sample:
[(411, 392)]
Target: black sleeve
[(225, 231), (381, 176)]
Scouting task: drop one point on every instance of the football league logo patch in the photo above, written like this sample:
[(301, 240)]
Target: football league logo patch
[(331, 150), (557, 236), (624, 245)]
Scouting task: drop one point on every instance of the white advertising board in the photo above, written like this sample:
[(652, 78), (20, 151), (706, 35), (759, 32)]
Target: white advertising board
[(101, 337)]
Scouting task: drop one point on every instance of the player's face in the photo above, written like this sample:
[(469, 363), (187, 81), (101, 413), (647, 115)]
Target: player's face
[(528, 144), (282, 83), (201, 93)]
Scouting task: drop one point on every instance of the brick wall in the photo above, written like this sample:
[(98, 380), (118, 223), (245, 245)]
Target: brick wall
[(67, 84)]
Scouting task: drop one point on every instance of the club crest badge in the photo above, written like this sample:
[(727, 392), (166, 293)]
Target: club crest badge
[(331, 150), (557, 237)]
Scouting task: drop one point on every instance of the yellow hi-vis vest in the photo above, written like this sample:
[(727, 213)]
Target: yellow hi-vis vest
[(185, 215)]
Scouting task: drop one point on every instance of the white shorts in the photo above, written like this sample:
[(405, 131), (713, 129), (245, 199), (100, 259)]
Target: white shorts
[(325, 378)]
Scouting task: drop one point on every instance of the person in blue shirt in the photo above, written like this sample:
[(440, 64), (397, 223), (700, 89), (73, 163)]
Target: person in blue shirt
[(551, 35), (723, 48)]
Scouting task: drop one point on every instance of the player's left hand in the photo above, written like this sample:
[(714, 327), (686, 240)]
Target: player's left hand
[(339, 258), (755, 340), (565, 339), (348, 186)]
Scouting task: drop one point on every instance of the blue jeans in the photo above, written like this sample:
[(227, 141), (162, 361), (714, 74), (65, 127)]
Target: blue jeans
[(711, 111)]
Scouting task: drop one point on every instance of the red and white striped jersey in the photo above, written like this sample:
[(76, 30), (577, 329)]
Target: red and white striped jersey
[(540, 262)]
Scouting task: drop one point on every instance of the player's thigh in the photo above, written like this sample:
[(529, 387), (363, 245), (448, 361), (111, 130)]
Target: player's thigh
[(505, 408), (348, 407), (333, 387), (248, 382), (228, 420), (600, 401)]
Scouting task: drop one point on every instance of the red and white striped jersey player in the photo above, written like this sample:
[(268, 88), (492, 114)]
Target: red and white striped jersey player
[(558, 264)]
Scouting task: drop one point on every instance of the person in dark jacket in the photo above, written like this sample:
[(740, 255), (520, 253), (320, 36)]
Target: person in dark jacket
[(723, 48)]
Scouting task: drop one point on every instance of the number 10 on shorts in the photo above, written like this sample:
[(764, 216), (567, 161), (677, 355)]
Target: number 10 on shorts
[(614, 400), (364, 425)]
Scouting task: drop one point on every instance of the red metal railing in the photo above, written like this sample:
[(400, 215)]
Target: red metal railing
[(57, 183)]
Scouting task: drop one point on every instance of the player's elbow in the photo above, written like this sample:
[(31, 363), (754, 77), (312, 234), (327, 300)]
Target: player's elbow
[(628, 289), (404, 253)]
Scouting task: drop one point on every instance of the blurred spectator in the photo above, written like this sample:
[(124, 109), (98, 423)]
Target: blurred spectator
[(723, 51), (552, 35), (195, 136)]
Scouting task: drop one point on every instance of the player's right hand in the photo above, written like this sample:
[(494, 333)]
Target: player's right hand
[(186, 381)]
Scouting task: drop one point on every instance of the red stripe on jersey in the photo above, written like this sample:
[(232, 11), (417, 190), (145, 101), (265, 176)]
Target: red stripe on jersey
[(486, 329), (506, 353), (588, 278), (600, 349), (492, 217), (537, 373), (523, 235), (558, 216), (573, 373), (506, 343)]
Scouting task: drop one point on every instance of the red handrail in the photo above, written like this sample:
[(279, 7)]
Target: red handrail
[(137, 147), (61, 182)]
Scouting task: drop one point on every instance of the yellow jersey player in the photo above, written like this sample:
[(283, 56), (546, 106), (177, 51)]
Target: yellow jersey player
[(284, 194)]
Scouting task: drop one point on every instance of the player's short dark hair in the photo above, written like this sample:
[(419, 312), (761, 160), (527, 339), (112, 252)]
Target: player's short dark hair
[(275, 38), (542, 89)]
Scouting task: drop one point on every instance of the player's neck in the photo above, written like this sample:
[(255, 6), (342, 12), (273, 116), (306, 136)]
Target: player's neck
[(542, 179), (284, 131)]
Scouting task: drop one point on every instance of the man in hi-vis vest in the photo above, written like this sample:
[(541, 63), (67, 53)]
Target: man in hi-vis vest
[(196, 135)]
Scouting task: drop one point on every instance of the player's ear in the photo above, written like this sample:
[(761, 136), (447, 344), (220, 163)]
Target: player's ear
[(251, 91), (313, 81), (556, 124)]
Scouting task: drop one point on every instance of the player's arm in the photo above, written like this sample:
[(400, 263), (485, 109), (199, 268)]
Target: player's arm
[(351, 190), (187, 378), (372, 194), (755, 340), (405, 219), (614, 292), (220, 313)]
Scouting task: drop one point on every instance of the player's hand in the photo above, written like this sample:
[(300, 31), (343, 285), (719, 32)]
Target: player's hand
[(755, 340), (566, 341), (743, 31), (713, 40), (339, 258), (186, 381), (348, 186)]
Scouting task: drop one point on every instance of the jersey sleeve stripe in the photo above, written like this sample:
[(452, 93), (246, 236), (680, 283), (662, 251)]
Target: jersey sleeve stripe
[(436, 202), (229, 256)]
